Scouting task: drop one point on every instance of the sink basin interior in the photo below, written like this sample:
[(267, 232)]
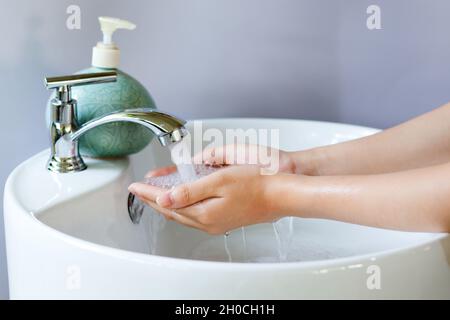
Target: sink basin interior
[(100, 216), (311, 240)]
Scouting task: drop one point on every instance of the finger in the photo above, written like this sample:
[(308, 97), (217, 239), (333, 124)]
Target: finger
[(146, 191), (161, 171), (197, 211), (152, 204), (230, 154), (189, 193), (193, 212), (172, 215), (212, 155)]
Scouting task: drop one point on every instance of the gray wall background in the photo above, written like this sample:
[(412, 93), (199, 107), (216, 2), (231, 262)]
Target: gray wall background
[(309, 59)]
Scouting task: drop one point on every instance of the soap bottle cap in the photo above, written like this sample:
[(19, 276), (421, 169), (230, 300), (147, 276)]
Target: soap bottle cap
[(106, 54)]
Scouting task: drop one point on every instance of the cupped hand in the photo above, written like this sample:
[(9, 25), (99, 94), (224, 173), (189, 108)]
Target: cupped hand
[(239, 154), (222, 201)]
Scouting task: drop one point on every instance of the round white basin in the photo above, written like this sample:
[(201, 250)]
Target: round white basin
[(69, 236)]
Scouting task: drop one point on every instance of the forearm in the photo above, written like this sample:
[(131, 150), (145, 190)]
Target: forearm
[(420, 142), (415, 200)]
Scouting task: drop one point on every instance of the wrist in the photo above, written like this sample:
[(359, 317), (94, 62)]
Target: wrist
[(270, 192), (287, 195), (307, 162)]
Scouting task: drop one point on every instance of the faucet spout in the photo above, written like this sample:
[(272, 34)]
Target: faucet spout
[(167, 128)]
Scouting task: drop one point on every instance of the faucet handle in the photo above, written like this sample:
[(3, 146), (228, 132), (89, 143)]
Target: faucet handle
[(80, 79), (62, 84)]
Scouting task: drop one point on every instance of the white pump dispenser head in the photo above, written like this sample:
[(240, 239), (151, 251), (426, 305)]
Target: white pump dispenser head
[(106, 54)]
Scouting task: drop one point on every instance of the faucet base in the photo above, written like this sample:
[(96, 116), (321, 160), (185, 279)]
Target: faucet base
[(63, 165)]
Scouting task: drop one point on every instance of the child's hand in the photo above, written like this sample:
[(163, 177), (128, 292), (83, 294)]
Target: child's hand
[(239, 154), (227, 199)]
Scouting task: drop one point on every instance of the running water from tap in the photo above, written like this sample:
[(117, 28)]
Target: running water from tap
[(181, 156)]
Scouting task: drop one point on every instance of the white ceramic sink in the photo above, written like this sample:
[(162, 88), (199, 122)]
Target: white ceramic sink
[(70, 236)]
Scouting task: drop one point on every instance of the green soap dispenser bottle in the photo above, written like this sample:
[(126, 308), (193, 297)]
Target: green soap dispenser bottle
[(114, 139)]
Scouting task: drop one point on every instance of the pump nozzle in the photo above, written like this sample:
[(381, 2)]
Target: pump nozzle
[(106, 54), (109, 25)]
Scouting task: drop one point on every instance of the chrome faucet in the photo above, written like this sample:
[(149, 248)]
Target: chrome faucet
[(65, 130)]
